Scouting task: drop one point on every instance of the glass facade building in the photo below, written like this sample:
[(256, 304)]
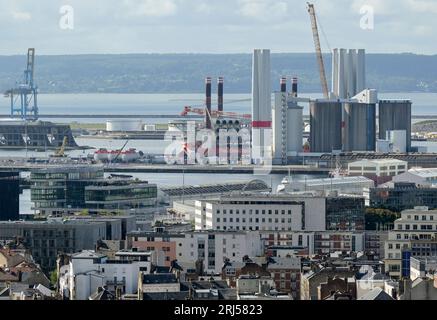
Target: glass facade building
[(120, 195), (9, 196), (403, 196), (345, 213), (55, 189)]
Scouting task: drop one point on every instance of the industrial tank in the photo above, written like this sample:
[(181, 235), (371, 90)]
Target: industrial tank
[(359, 131), (124, 125), (325, 122), (294, 128), (395, 115)]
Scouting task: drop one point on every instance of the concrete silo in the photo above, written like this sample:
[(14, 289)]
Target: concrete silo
[(325, 122), (395, 115), (359, 129)]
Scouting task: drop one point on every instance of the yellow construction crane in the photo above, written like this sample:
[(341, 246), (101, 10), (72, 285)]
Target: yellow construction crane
[(316, 38), (60, 153)]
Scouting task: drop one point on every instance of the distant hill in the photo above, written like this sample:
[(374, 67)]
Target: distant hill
[(184, 73)]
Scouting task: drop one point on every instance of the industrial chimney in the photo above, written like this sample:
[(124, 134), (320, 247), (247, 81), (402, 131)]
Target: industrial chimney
[(283, 84), (294, 87), (220, 94), (208, 103)]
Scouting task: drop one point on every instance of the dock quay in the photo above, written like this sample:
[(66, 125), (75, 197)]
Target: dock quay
[(152, 168)]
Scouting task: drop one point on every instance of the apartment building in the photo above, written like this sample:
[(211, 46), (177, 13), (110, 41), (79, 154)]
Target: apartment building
[(213, 248), (46, 239), (414, 234), (88, 270)]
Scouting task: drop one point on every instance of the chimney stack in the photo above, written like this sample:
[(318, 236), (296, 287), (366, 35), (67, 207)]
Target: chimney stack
[(208, 103), (294, 87), (220, 94), (283, 84)]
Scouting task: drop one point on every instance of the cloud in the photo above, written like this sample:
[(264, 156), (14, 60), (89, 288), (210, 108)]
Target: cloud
[(203, 8), (23, 16), (263, 9), (151, 8), (425, 6)]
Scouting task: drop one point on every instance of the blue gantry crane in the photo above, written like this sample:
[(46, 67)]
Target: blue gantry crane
[(24, 102)]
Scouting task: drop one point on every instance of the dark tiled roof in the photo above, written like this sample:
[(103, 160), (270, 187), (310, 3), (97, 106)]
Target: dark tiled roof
[(159, 278), (166, 296)]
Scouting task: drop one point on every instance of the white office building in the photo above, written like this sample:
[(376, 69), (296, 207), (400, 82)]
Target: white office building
[(88, 270), (416, 232), (266, 212)]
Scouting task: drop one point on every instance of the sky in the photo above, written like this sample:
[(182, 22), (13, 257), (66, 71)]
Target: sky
[(214, 26)]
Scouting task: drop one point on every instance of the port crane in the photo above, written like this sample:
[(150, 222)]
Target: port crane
[(23, 98), (319, 55), (60, 153)]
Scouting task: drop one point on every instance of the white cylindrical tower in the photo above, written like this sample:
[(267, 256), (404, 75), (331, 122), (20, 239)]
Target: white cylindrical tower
[(261, 106)]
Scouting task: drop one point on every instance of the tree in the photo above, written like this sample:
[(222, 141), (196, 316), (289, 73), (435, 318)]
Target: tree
[(380, 219), (54, 278)]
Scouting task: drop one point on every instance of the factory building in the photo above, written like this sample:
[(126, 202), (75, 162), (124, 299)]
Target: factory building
[(379, 170), (395, 115), (287, 124), (348, 72), (261, 106), (325, 122), (359, 127)]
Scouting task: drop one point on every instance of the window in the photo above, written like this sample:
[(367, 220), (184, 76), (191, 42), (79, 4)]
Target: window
[(398, 236), (416, 218), (423, 218)]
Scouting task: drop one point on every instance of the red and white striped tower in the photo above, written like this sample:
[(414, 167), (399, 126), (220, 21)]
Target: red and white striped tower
[(261, 105)]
